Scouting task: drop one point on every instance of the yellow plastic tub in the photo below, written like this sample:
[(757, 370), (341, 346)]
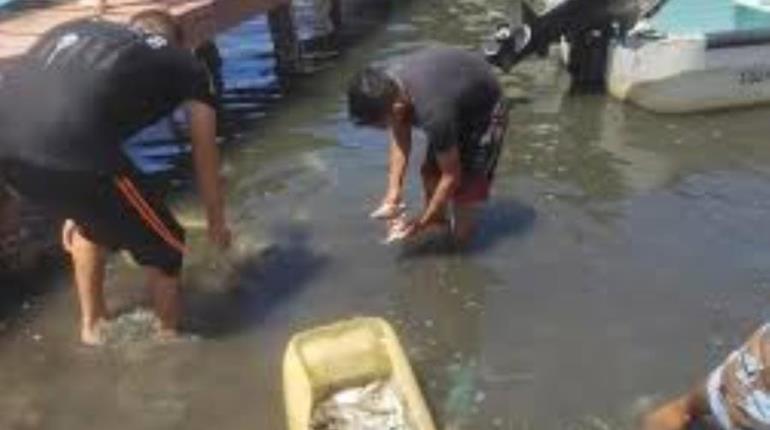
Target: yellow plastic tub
[(347, 354)]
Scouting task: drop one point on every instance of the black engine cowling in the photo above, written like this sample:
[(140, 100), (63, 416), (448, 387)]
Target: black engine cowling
[(587, 23)]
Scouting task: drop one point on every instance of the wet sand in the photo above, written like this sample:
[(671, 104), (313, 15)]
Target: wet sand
[(622, 256)]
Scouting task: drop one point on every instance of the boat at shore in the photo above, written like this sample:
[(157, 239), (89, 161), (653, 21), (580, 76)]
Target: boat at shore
[(676, 56), (719, 59), (691, 73)]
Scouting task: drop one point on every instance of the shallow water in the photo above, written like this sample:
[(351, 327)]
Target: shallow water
[(623, 254)]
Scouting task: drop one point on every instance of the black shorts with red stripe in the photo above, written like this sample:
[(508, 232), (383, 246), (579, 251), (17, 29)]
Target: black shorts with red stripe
[(119, 212)]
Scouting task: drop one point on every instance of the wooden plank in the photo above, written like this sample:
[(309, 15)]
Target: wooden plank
[(200, 19)]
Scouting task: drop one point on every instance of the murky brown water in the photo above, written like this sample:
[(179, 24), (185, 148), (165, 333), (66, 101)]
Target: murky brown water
[(623, 254)]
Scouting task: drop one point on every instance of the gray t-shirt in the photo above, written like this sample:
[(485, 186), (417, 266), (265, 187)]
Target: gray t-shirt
[(453, 92)]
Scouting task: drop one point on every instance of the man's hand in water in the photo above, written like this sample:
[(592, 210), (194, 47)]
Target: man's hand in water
[(413, 228), (418, 226)]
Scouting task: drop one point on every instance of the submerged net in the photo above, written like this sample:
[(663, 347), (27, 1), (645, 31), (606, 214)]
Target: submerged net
[(131, 327), (376, 406)]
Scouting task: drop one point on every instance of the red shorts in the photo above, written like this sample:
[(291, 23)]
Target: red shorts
[(479, 162), (472, 190)]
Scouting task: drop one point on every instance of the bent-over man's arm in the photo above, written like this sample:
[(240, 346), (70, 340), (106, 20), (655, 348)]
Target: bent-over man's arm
[(206, 159), (451, 174), (400, 148)]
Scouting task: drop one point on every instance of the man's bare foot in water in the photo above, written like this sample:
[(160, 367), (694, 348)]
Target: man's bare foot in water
[(172, 336), (167, 335), (94, 334)]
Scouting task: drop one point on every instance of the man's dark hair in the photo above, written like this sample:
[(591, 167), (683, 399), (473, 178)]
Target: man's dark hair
[(158, 22), (371, 94)]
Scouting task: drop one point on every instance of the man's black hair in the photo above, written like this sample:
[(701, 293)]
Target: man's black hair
[(371, 95)]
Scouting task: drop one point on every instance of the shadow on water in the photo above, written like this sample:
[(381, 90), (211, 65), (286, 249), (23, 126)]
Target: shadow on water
[(21, 295), (501, 220), (497, 221), (258, 284)]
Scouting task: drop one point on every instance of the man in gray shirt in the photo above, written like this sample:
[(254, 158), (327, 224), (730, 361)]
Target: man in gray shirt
[(454, 97)]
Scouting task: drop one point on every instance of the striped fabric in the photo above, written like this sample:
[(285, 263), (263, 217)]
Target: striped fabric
[(148, 215)]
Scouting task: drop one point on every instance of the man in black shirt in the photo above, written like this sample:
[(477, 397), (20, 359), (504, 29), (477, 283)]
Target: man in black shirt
[(454, 97), (65, 109)]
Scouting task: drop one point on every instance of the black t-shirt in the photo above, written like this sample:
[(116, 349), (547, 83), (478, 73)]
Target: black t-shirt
[(453, 94), (85, 87)]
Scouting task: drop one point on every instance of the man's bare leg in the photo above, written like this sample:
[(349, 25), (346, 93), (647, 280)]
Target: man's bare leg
[(465, 223), (166, 297), (88, 261), (430, 179)]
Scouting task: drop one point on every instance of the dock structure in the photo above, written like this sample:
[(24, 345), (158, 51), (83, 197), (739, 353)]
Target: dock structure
[(201, 20)]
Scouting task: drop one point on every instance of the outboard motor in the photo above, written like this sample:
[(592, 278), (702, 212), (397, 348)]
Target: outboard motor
[(509, 45), (587, 25), (587, 60)]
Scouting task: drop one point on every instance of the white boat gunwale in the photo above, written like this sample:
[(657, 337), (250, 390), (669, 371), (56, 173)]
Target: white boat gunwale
[(758, 5)]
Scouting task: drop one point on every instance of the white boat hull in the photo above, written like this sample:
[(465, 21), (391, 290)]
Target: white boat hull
[(759, 5), (686, 74)]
